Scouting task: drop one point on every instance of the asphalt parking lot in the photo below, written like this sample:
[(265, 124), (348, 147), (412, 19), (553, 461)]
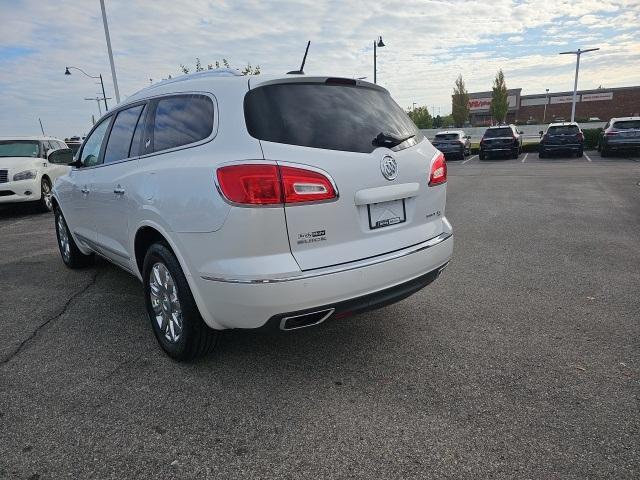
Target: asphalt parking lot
[(521, 361)]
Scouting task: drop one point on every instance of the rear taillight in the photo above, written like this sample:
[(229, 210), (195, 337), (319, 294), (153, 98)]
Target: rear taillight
[(259, 184), (438, 174), (611, 134), (580, 136), (302, 185)]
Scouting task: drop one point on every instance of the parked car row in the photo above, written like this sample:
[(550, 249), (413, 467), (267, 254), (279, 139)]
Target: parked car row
[(619, 134)]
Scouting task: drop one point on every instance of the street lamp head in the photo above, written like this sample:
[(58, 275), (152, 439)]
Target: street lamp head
[(66, 71), (380, 42)]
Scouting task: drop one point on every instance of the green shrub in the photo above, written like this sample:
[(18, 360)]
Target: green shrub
[(591, 136)]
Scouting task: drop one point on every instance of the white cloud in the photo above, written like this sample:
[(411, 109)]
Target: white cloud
[(428, 44)]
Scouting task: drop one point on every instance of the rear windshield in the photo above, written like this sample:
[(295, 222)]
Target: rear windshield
[(498, 132), (626, 124), (18, 148), (447, 136), (334, 117), (563, 130)]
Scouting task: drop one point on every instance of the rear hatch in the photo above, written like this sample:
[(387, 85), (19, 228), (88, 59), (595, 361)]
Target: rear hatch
[(446, 142), (498, 138), (625, 131), (330, 125), (564, 135)]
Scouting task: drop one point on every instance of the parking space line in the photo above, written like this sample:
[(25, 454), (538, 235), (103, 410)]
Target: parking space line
[(588, 157), (525, 157), (468, 159)]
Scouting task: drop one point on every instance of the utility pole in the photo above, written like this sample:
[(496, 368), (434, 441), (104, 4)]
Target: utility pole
[(113, 67), (376, 43), (41, 127), (544, 115), (577, 53)]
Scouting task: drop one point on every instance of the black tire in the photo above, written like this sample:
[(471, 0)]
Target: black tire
[(604, 151), (541, 154), (69, 251), (579, 153), (482, 156), (515, 153), (45, 204), (196, 338)]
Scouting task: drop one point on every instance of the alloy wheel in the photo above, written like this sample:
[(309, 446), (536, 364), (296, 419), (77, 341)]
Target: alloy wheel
[(165, 303)]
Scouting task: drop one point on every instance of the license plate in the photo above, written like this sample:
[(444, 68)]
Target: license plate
[(385, 214)]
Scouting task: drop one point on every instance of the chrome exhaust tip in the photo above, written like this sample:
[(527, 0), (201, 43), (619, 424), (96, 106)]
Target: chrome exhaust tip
[(295, 322)]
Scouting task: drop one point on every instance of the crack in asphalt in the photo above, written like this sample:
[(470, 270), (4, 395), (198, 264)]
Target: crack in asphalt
[(62, 311)]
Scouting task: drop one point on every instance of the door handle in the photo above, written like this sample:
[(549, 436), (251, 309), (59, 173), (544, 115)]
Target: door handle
[(118, 190)]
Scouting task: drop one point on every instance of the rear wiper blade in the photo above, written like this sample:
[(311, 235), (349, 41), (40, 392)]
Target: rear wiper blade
[(389, 139)]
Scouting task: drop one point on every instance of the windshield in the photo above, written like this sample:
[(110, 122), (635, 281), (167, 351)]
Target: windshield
[(627, 125), (563, 130), (329, 116), (447, 136), (498, 132), (19, 148)]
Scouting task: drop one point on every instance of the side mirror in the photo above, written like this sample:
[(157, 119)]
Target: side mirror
[(521, 132), (62, 156), (541, 132)]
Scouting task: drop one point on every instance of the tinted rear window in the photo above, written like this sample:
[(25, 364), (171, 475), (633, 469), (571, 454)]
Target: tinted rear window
[(334, 117), (564, 130), (447, 136), (626, 124), (498, 132), (181, 120)]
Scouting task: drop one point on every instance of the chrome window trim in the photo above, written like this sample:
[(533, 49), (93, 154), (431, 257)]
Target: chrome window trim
[(339, 268)]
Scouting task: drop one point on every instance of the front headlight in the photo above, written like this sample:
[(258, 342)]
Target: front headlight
[(25, 175)]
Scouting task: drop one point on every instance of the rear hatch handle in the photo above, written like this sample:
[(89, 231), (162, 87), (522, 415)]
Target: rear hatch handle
[(386, 194)]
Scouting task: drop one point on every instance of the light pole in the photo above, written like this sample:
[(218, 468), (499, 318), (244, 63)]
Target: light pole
[(577, 53), (104, 95), (113, 67), (544, 115), (376, 43)]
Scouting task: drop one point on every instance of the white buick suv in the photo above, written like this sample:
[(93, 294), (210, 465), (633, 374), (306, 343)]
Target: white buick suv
[(257, 202)]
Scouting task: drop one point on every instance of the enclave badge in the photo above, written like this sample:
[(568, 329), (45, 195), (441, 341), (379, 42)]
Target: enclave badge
[(389, 168)]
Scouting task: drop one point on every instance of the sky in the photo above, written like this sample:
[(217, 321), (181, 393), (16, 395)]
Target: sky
[(428, 43)]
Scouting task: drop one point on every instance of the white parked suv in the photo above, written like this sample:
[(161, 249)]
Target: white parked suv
[(29, 166), (257, 202)]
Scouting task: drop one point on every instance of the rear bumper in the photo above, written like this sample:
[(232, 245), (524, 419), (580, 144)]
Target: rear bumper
[(353, 287), (574, 147), (627, 144)]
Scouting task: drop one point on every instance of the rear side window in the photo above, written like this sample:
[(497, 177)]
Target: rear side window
[(447, 136), (564, 130), (121, 134), (180, 120), (498, 132), (334, 117), (627, 125)]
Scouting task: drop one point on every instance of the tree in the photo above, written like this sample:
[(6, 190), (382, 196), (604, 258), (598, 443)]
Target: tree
[(499, 101), (248, 70), (421, 117), (460, 103)]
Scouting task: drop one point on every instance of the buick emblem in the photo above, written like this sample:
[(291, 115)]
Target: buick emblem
[(389, 168)]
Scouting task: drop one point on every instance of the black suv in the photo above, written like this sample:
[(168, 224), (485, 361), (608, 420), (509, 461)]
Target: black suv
[(502, 140), (620, 134), (561, 137)]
